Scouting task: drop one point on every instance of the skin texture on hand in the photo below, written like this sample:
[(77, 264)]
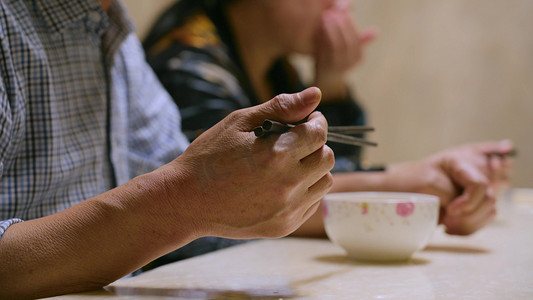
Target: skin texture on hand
[(229, 183), (465, 179), (477, 173), (263, 187)]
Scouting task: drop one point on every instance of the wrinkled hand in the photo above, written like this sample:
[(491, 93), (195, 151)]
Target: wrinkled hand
[(338, 48), (476, 170), (465, 179), (260, 187)]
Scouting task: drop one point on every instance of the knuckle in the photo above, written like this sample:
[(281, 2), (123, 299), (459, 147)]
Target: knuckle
[(329, 157), (329, 180), (234, 114), (318, 132), (492, 213), (235, 117), (280, 103), (490, 196)]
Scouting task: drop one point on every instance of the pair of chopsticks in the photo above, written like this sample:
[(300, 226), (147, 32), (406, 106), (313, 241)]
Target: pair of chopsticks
[(336, 134)]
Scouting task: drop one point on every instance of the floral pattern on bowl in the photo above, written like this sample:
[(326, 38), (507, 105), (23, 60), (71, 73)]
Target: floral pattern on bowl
[(380, 226)]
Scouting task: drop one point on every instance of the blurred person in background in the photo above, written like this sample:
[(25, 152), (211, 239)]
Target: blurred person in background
[(96, 177), (217, 56)]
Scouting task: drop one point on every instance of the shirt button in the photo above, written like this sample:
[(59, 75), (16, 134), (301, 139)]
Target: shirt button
[(95, 16)]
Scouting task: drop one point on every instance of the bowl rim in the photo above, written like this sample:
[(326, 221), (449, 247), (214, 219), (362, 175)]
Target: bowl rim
[(380, 197)]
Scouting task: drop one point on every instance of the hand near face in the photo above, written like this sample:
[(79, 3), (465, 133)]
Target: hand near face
[(465, 179), (338, 48), (260, 187)]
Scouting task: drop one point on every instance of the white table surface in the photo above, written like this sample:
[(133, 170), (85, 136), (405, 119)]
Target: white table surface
[(494, 263)]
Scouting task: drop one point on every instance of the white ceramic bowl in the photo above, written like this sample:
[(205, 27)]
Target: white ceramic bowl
[(380, 226)]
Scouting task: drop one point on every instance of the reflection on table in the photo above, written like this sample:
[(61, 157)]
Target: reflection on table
[(494, 263)]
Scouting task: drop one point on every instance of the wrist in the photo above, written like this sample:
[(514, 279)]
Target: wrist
[(359, 181), (154, 206), (177, 196), (402, 177)]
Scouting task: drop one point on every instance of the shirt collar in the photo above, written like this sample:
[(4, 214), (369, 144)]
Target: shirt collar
[(120, 27), (59, 14), (118, 15)]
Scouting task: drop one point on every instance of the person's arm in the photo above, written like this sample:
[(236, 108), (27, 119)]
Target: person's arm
[(93, 243), (227, 183), (8, 130), (465, 179)]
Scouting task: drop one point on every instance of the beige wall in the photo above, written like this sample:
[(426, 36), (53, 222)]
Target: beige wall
[(144, 12), (441, 73)]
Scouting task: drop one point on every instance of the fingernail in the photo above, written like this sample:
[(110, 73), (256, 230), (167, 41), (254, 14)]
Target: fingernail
[(310, 95)]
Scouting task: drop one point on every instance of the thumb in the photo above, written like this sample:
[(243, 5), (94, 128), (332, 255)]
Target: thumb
[(288, 108)]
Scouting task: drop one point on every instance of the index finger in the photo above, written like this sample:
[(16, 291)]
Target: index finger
[(469, 178), (303, 139), (501, 148), (464, 172)]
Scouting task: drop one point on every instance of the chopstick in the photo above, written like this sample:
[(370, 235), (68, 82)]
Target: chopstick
[(339, 134), (349, 140), (350, 129), (336, 134)]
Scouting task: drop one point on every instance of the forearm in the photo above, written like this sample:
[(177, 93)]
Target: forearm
[(91, 244), (361, 181), (421, 176)]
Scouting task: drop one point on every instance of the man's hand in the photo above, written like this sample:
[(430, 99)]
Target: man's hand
[(243, 186), (227, 183), (338, 48)]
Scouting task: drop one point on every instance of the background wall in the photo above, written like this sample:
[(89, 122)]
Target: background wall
[(441, 73)]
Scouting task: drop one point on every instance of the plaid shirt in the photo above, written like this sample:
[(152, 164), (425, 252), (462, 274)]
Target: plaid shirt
[(80, 111)]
